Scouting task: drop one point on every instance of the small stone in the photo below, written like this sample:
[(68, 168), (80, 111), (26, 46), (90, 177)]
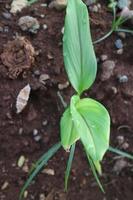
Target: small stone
[(25, 194), (25, 168), (122, 35), (42, 197), (7, 15), (6, 29), (62, 30), (8, 115), (120, 51), (37, 138), (28, 23), (44, 123), (42, 15), (21, 161), (17, 5), (35, 132), (86, 173), (123, 3), (120, 139), (20, 131), (125, 146), (119, 44), (107, 69), (49, 172), (43, 78), (122, 78), (44, 5), (99, 5), (94, 9), (37, 73), (103, 57), (114, 89), (49, 56), (62, 86), (45, 26), (120, 165), (58, 4), (5, 185)]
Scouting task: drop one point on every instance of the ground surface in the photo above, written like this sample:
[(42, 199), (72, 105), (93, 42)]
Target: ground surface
[(16, 131)]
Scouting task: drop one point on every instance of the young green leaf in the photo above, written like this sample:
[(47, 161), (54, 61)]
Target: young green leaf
[(95, 174), (79, 57), (39, 165), (68, 133), (121, 153), (92, 123), (69, 164)]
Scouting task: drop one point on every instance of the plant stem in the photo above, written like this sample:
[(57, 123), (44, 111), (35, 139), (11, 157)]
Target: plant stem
[(69, 164), (62, 100), (124, 30), (104, 37)]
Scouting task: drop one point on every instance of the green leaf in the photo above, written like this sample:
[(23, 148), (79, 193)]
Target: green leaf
[(79, 57), (68, 133), (69, 164), (121, 153), (92, 123), (39, 165), (95, 174)]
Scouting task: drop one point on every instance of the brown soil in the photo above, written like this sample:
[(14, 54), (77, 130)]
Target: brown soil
[(16, 130)]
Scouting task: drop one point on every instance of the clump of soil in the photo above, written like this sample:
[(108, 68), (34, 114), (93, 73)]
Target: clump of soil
[(18, 56)]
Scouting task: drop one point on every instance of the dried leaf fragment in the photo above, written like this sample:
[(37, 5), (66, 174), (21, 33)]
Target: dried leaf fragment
[(22, 98)]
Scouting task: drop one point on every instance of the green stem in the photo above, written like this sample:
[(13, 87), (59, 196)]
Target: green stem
[(124, 30), (69, 165), (104, 37)]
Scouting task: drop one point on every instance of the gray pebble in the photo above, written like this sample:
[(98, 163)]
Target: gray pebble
[(107, 69), (119, 44), (44, 123), (37, 73), (120, 51), (120, 165), (6, 29), (28, 23), (35, 132), (103, 57), (6, 15), (37, 138), (122, 35), (20, 131), (122, 79), (45, 26), (120, 139)]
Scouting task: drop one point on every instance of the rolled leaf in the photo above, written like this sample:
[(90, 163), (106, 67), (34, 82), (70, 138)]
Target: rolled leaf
[(68, 133)]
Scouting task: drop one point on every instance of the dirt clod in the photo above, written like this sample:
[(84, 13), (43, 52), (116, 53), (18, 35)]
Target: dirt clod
[(18, 56)]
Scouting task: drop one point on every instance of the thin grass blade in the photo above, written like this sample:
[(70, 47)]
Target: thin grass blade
[(95, 174), (121, 153), (41, 163), (69, 164)]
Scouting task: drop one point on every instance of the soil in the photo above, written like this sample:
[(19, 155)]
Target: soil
[(16, 130)]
